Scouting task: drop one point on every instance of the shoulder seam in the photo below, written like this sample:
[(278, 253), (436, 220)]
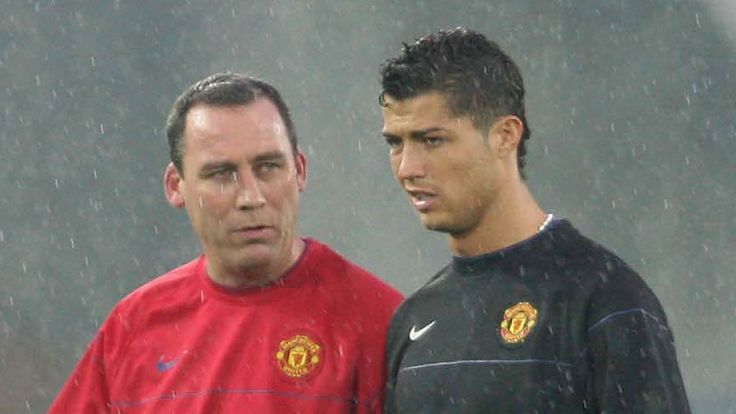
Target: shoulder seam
[(610, 316)]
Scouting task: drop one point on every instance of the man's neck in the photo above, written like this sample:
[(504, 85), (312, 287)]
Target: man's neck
[(515, 217), (254, 276)]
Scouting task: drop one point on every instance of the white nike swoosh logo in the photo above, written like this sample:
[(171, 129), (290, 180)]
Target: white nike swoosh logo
[(414, 334)]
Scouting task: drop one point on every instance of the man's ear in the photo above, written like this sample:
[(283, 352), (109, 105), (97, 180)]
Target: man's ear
[(174, 186), (301, 170), (506, 133)]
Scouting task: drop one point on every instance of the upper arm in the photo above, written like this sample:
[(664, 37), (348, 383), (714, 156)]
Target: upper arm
[(634, 362)]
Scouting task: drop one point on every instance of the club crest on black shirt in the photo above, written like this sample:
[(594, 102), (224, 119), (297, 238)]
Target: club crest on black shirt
[(517, 323)]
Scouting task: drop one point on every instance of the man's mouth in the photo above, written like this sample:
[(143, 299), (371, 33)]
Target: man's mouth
[(422, 200), (254, 232)]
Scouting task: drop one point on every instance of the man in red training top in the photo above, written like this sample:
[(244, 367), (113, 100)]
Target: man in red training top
[(264, 321)]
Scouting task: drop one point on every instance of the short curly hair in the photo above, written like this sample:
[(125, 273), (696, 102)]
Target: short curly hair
[(476, 77)]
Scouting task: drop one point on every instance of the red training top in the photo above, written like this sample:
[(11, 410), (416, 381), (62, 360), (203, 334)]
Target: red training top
[(313, 342)]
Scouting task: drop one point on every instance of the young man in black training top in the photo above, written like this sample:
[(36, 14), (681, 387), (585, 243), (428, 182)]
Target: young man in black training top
[(529, 316)]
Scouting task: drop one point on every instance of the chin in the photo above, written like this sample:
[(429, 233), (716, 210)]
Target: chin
[(436, 225), (253, 255), (445, 224)]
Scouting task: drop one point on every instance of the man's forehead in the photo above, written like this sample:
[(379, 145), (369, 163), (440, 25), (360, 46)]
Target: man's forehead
[(425, 111), (260, 114), (232, 131), (433, 102)]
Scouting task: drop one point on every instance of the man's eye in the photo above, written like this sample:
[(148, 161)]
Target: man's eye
[(220, 174), (433, 141), (270, 166), (393, 142)]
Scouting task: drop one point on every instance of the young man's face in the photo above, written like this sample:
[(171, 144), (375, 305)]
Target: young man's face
[(240, 186), (449, 169)]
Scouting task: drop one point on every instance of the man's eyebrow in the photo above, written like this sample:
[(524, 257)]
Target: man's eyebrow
[(270, 156), (218, 165), (424, 132), (421, 133)]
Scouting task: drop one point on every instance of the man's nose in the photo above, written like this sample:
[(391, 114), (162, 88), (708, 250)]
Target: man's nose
[(250, 194), (410, 164)]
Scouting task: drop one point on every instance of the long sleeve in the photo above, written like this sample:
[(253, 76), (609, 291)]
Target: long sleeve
[(634, 364)]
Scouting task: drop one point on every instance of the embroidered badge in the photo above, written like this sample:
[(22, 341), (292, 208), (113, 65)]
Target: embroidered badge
[(298, 356), (518, 322)]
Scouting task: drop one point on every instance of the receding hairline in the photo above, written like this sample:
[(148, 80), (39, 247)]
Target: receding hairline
[(261, 99), (275, 117)]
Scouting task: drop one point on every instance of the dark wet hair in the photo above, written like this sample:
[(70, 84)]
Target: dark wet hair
[(475, 76), (221, 89)]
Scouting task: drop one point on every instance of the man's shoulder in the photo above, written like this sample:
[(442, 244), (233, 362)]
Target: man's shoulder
[(165, 292), (615, 287), (333, 268), (580, 256), (327, 258), (430, 296), (171, 283)]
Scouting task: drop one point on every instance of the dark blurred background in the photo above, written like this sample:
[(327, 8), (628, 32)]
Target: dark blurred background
[(630, 103)]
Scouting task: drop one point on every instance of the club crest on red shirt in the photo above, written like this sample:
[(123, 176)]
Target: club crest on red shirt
[(298, 356), (518, 322)]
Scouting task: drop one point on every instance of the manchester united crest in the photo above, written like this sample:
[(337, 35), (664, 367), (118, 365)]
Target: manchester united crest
[(298, 356), (518, 322)]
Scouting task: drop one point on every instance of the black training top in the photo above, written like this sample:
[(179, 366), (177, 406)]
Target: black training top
[(554, 324)]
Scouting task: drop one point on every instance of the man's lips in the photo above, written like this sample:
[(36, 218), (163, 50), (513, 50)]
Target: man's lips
[(254, 231), (422, 199)]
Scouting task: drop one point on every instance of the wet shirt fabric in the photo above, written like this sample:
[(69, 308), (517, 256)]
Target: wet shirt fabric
[(311, 343), (554, 324)]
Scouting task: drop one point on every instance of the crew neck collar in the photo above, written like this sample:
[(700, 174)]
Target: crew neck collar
[(293, 277), (471, 264)]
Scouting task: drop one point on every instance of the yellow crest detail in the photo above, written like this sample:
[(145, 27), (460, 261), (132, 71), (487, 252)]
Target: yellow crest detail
[(298, 356), (518, 322)]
